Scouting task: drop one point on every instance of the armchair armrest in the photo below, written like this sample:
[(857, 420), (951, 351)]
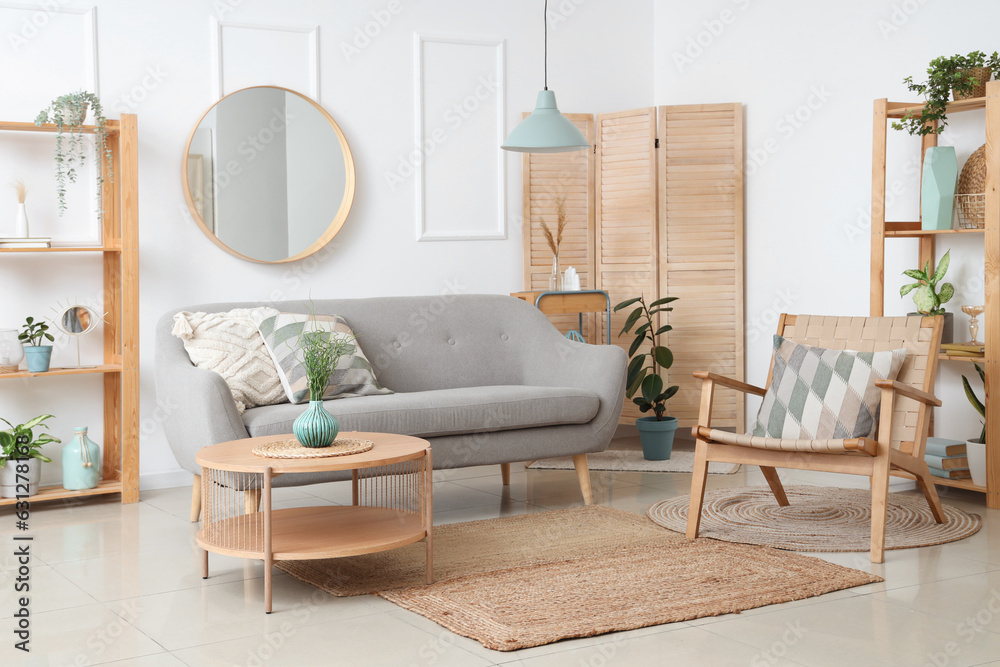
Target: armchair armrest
[(730, 383), (909, 391)]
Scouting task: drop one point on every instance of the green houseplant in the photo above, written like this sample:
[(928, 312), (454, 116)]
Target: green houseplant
[(959, 75), (68, 113), (20, 442), (33, 335), (930, 294), (976, 449), (321, 352), (644, 375)]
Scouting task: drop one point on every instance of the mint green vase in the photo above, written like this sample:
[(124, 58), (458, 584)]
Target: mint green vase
[(937, 187), (81, 462), (316, 427)]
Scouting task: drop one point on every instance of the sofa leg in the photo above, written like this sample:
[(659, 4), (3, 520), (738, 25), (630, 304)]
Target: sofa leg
[(583, 476), (251, 501), (196, 499), (505, 473)]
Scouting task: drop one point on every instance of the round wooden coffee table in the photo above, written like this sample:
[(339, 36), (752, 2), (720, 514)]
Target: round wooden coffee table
[(392, 496)]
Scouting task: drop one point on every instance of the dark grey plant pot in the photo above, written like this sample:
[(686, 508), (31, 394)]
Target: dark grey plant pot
[(948, 330)]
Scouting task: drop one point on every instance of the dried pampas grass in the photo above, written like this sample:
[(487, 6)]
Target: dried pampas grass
[(22, 191), (555, 240)]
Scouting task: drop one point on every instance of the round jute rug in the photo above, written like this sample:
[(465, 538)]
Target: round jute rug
[(817, 519)]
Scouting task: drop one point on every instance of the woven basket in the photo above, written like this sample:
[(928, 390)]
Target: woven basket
[(981, 75), (970, 197)]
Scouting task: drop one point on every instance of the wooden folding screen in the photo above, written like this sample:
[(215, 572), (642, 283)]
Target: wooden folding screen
[(667, 220), (545, 178)]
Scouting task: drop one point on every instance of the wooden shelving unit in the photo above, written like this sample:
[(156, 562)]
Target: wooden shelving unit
[(881, 230), (120, 370)]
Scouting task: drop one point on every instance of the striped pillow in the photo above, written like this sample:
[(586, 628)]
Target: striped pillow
[(353, 377)]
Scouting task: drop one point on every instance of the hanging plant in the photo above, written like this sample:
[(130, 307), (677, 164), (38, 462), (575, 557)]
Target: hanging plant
[(959, 75), (68, 113)]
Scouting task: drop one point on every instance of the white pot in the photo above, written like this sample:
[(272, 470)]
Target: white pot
[(8, 477), (977, 462)]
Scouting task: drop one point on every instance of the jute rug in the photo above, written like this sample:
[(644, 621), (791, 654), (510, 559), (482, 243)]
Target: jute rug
[(817, 519), (628, 460), (533, 579)]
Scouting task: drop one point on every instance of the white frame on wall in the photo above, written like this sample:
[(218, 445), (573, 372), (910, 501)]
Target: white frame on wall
[(500, 232), (218, 77)]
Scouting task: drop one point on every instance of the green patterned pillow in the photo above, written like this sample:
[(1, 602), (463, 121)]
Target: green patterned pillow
[(819, 394), (354, 375)]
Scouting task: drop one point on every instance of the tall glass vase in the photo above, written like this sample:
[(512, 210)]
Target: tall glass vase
[(555, 278)]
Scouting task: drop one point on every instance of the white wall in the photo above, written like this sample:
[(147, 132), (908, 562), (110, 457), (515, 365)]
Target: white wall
[(808, 74), (156, 61)]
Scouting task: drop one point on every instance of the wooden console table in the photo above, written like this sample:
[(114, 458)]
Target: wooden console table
[(392, 503), (575, 301)]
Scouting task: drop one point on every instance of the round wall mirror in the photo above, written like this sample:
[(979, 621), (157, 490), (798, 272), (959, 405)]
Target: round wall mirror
[(268, 175)]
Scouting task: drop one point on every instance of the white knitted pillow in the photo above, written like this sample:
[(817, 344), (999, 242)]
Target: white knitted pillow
[(229, 344)]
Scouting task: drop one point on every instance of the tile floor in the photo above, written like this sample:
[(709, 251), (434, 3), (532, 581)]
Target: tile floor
[(121, 585)]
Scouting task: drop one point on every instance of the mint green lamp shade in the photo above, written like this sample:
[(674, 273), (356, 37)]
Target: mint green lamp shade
[(545, 130)]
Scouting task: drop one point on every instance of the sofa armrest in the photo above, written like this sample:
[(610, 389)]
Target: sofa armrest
[(556, 361), (197, 406)]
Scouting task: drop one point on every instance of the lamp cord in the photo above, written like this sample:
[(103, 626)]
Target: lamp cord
[(545, 26)]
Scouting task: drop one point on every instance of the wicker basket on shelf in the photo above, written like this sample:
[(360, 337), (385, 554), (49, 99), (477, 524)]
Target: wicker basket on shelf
[(970, 200), (981, 75)]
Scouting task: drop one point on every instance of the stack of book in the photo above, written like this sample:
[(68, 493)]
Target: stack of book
[(962, 350), (26, 242), (947, 458)]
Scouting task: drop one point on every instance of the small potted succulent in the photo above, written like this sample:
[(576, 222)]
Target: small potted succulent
[(961, 76), (21, 457), (33, 335), (928, 297), (643, 378), (68, 113), (976, 449)]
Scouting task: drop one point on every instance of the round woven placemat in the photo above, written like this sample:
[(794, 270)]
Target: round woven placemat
[(817, 519), (291, 449)]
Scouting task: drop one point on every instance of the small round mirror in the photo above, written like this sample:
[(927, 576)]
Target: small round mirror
[(268, 175), (78, 320)]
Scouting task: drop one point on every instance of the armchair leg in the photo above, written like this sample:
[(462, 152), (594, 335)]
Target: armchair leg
[(505, 473), (773, 481), (880, 502), (698, 478), (926, 484), (196, 499), (583, 476)]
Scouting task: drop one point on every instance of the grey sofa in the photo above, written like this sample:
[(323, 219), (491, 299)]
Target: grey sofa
[(485, 378)]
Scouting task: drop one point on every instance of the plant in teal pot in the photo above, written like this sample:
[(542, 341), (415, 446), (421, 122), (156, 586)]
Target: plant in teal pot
[(33, 335), (321, 351), (648, 360)]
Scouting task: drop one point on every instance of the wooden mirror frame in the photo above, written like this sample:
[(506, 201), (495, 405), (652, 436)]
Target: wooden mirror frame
[(345, 204)]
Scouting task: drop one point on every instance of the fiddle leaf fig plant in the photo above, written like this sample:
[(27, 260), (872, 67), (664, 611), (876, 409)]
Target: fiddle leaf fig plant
[(68, 113), (19, 442), (927, 296), (944, 75), (644, 368), (976, 403)]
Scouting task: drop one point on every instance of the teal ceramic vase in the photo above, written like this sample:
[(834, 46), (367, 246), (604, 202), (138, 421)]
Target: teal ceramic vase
[(39, 357), (316, 427), (657, 437), (81, 462), (937, 187)]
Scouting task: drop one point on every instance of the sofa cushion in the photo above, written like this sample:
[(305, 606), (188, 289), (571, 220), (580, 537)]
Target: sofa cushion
[(442, 411)]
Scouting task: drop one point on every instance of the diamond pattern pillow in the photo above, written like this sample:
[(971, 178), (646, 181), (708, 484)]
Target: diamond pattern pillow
[(818, 394), (354, 375), (229, 344)]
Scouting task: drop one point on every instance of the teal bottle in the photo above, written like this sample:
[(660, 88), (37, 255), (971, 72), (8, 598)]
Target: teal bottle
[(81, 462), (316, 427)]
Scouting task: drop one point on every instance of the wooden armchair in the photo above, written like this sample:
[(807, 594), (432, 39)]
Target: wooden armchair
[(904, 418)]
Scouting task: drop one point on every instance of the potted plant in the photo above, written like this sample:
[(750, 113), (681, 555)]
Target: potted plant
[(68, 113), (321, 352), (928, 297), (976, 449), (19, 442), (643, 378), (961, 76), (33, 335)]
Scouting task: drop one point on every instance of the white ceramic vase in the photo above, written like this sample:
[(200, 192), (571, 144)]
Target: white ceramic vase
[(977, 462), (21, 226)]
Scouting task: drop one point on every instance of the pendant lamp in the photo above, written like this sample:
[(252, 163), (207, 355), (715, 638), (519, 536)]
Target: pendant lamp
[(545, 130)]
